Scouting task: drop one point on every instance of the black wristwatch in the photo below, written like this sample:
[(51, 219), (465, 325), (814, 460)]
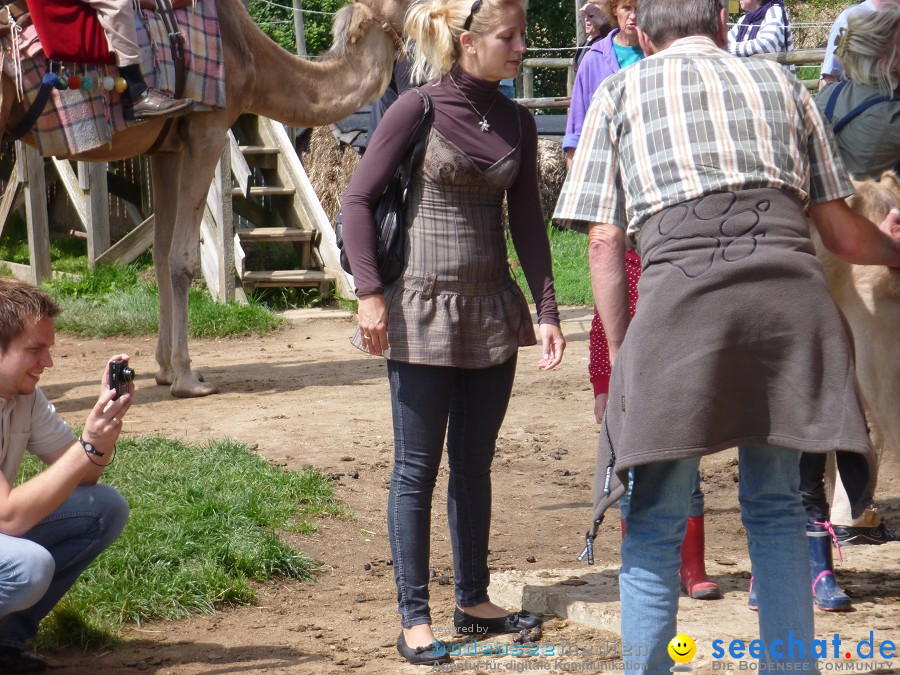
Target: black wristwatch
[(89, 448)]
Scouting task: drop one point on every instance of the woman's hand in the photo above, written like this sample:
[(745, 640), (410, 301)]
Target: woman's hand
[(373, 318), (600, 407), (553, 344)]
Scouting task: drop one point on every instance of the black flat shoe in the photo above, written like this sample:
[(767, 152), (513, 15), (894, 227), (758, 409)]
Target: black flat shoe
[(16, 660), (513, 622), (430, 655)]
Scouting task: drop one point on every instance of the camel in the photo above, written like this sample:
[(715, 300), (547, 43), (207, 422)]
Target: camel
[(262, 79), (869, 297)]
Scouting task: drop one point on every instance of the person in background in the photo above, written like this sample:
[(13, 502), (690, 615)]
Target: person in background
[(864, 109), (763, 29), (451, 326), (618, 49), (53, 525), (832, 68), (596, 27)]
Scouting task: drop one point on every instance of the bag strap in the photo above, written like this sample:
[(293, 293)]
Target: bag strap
[(415, 149), (832, 100), (853, 114)]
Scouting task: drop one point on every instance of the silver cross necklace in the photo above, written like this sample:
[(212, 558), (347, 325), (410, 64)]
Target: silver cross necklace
[(485, 127)]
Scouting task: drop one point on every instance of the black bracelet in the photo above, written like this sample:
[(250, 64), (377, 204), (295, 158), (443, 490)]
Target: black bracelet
[(89, 450)]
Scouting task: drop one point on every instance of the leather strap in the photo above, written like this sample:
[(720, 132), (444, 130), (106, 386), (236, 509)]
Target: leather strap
[(176, 43), (37, 107)]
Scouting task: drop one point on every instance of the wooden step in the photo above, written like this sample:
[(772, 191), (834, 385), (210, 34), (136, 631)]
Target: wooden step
[(262, 156), (265, 191), (248, 150), (293, 278), (273, 234)]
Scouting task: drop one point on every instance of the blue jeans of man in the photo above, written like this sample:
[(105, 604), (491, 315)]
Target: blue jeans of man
[(697, 498), (467, 406), (39, 567), (775, 521)]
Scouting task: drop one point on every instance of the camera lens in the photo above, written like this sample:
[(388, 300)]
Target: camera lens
[(128, 374)]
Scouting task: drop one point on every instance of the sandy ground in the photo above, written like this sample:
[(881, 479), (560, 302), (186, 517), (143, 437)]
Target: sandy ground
[(306, 398)]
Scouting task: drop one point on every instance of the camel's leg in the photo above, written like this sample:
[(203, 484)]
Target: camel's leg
[(184, 183), (166, 175)]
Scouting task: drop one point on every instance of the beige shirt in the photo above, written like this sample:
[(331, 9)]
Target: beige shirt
[(29, 422)]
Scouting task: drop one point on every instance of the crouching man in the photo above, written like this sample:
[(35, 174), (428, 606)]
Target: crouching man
[(53, 525)]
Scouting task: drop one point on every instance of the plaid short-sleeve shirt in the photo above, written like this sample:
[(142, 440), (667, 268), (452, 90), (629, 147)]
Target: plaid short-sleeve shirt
[(692, 120)]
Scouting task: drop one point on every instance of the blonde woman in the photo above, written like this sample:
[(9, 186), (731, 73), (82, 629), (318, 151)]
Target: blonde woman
[(864, 110), (450, 327)]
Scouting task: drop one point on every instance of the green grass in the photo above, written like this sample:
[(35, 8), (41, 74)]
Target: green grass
[(570, 267), (116, 300), (204, 525)]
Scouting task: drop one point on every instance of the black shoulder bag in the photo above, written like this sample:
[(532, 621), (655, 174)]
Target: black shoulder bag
[(390, 225)]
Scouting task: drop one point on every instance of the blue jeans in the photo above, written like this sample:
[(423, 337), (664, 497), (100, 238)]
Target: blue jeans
[(772, 514), (467, 406), (39, 567), (697, 499)]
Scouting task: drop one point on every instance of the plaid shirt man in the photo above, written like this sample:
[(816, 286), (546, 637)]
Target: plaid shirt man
[(690, 121)]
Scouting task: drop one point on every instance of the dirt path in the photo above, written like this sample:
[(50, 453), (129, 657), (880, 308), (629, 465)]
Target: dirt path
[(305, 397)]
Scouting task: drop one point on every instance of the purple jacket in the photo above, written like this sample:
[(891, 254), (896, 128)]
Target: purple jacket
[(598, 64)]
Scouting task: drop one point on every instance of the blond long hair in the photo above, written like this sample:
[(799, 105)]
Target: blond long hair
[(433, 27), (868, 49)]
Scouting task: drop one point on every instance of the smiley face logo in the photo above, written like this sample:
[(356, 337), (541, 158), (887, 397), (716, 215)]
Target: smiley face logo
[(682, 648)]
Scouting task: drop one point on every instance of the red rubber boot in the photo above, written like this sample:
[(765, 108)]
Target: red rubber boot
[(693, 570)]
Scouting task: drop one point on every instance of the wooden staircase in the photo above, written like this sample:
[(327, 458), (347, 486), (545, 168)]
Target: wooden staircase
[(261, 200)]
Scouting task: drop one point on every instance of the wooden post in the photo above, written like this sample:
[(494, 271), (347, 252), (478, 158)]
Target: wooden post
[(225, 227), (527, 82), (92, 179), (580, 35), (31, 167), (298, 28)]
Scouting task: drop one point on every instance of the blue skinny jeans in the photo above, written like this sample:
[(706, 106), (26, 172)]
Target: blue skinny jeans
[(465, 406)]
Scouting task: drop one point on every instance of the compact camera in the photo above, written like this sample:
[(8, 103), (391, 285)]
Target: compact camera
[(119, 377)]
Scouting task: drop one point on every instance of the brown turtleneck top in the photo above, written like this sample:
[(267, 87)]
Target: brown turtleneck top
[(456, 120)]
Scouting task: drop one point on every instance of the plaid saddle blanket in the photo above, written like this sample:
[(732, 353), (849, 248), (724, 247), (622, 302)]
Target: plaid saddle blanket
[(79, 120)]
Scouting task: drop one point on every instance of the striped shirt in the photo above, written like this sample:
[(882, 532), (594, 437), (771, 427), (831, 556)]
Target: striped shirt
[(775, 35), (693, 120)]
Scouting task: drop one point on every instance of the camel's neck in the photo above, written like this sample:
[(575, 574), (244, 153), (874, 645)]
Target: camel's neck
[(303, 93)]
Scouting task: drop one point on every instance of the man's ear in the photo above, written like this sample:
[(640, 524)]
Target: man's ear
[(646, 45), (722, 37)]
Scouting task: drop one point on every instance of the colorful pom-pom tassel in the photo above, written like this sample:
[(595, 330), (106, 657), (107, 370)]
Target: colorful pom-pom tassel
[(62, 83), (74, 82), (121, 85), (87, 83), (109, 83)]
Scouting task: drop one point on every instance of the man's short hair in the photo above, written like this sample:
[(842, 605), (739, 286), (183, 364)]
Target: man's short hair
[(20, 303), (666, 20)]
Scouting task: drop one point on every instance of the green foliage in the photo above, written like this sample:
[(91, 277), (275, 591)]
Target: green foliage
[(277, 21), (204, 524), (570, 268), (113, 300), (14, 247)]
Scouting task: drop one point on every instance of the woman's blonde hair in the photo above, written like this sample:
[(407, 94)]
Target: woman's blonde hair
[(868, 49), (433, 28)]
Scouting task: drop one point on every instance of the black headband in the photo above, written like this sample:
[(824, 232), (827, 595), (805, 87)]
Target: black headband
[(475, 7)]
